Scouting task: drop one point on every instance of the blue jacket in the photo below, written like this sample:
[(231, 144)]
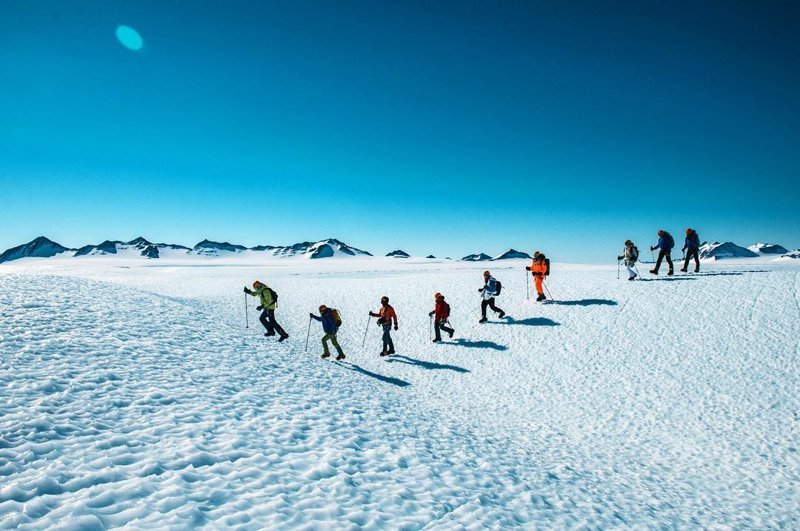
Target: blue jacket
[(328, 321), (666, 242), (692, 242)]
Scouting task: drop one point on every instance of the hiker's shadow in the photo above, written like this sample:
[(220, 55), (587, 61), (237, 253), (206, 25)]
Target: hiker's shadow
[(479, 344), (583, 302), (385, 379), (530, 321), (430, 365), (665, 279)]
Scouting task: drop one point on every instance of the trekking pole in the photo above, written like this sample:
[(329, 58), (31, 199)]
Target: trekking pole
[(246, 320), (308, 334), (363, 343), (547, 290), (430, 332), (617, 269), (527, 286)]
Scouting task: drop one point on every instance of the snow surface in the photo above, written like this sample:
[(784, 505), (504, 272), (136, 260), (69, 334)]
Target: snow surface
[(132, 394)]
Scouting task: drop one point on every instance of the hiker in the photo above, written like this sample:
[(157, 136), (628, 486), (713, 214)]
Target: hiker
[(331, 321), (490, 290), (691, 247), (630, 254), (664, 245), (539, 268), (441, 314), (269, 301), (386, 315)]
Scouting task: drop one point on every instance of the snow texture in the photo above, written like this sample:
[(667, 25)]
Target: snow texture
[(133, 395)]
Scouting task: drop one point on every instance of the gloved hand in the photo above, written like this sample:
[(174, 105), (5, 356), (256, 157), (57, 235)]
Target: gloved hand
[(259, 308), (395, 328), (245, 289), (620, 257), (311, 315), (652, 248), (480, 290), (527, 268), (431, 314)]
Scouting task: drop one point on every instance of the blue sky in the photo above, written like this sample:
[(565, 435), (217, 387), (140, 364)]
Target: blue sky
[(447, 129)]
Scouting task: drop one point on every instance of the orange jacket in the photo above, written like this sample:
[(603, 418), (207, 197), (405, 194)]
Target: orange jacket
[(538, 269)]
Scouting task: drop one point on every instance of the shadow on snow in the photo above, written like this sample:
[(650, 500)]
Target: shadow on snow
[(664, 279), (530, 321), (385, 379), (479, 344), (430, 365), (584, 302)]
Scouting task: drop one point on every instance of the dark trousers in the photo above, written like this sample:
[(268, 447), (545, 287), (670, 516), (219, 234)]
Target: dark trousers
[(268, 320), (438, 326), (388, 345), (490, 304), (692, 253), (662, 255)]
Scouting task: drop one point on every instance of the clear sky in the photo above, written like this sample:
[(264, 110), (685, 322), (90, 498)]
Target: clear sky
[(433, 127)]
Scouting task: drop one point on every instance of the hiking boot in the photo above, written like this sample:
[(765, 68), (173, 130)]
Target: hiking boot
[(340, 357), (450, 333), (269, 335), (654, 271), (502, 314), (683, 270), (540, 298), (632, 278), (284, 336), (437, 340), (326, 355), (384, 353), (391, 351), (670, 273), (483, 320)]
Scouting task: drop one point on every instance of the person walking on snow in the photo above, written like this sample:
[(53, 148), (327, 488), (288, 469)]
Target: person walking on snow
[(269, 301), (539, 268), (440, 315), (665, 244), (630, 254), (386, 315), (330, 325), (489, 291), (691, 247)]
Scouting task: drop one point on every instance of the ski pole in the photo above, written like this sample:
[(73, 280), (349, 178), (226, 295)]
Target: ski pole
[(527, 286), (430, 332), (363, 343), (547, 290), (308, 334), (617, 269), (246, 320)]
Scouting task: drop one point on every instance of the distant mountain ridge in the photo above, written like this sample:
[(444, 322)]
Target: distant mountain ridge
[(43, 247)]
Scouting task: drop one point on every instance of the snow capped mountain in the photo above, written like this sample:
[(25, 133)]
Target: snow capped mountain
[(511, 253), (790, 255), (207, 247), (477, 258), (718, 250), (328, 248), (137, 247), (430, 256), (768, 248), (399, 254), (40, 247)]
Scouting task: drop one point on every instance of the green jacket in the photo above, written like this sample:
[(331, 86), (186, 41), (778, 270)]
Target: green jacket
[(267, 302)]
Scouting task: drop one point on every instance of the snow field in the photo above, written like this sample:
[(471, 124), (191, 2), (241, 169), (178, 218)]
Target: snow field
[(136, 397)]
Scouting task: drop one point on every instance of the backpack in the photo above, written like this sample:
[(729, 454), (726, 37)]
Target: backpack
[(447, 310), (273, 295), (670, 241), (634, 253), (547, 263), (337, 318), (498, 287)]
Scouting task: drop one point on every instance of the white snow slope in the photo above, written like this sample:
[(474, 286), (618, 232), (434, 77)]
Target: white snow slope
[(132, 395)]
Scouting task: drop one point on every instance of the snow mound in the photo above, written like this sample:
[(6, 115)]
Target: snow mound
[(398, 254), (768, 248), (511, 254), (40, 247), (481, 257), (716, 250), (790, 255)]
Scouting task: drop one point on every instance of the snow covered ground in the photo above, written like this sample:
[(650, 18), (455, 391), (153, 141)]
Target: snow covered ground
[(132, 394)]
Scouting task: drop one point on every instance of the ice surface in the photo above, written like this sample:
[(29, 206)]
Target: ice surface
[(131, 394)]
